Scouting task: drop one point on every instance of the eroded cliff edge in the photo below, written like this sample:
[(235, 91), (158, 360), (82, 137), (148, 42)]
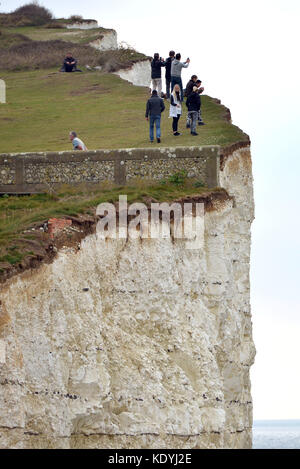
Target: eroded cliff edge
[(135, 343)]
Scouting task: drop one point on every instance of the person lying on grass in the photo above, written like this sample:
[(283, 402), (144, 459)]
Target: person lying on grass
[(77, 143), (70, 64)]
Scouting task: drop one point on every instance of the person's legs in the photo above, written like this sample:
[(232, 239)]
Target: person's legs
[(174, 124), (194, 115), (178, 117), (172, 83), (188, 120), (159, 87), (154, 84), (181, 88), (200, 120), (151, 128), (157, 125), (168, 84)]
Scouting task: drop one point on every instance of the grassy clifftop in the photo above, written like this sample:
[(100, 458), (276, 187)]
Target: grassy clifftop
[(43, 105), (107, 112)]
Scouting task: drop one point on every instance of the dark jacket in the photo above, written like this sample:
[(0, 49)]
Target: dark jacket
[(189, 87), (156, 68), (193, 102), (69, 60), (155, 106), (168, 67), (67, 67)]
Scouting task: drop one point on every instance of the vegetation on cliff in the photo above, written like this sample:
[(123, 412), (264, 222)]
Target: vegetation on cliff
[(23, 239)]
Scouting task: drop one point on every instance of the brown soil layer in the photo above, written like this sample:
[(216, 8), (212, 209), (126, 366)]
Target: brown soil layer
[(229, 149), (44, 248)]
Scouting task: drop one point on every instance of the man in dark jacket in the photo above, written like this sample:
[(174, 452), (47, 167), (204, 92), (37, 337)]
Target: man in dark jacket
[(193, 105), (188, 90), (70, 64), (156, 65), (200, 91), (168, 71), (190, 85), (155, 106)]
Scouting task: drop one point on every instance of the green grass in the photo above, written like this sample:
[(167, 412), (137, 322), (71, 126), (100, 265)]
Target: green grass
[(9, 39), (19, 214), (107, 112), (41, 33)]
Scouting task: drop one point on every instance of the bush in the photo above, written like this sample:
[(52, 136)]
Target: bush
[(75, 18), (178, 178), (54, 25), (36, 14), (199, 183)]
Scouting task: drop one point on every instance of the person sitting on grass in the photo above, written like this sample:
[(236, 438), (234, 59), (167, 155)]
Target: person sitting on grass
[(175, 108), (70, 64), (155, 106), (77, 143), (193, 105)]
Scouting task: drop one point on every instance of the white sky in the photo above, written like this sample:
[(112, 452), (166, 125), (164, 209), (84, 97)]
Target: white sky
[(247, 54)]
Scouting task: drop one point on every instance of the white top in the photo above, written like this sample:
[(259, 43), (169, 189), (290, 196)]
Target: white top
[(77, 142), (175, 110)]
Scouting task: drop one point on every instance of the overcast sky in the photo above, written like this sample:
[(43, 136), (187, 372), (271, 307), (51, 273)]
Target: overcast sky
[(247, 54)]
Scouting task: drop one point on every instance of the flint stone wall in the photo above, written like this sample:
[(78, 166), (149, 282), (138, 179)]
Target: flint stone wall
[(37, 172)]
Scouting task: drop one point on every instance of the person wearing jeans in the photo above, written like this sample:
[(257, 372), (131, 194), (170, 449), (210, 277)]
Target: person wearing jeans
[(200, 91), (168, 72), (193, 105), (155, 106), (176, 69), (155, 120)]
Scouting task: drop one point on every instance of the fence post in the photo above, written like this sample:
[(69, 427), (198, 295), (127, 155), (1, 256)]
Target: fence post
[(2, 92)]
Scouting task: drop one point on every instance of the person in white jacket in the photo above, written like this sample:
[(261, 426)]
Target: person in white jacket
[(175, 108)]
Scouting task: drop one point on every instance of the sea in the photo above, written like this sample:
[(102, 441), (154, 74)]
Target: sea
[(276, 434)]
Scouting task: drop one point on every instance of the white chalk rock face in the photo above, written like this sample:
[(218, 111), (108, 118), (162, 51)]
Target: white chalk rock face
[(108, 41), (135, 343), (139, 74), (82, 25)]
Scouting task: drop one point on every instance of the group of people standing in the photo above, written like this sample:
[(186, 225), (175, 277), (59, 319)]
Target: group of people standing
[(155, 105)]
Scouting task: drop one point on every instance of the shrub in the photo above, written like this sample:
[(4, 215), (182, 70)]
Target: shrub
[(199, 183), (54, 25), (75, 18), (178, 178), (36, 14)]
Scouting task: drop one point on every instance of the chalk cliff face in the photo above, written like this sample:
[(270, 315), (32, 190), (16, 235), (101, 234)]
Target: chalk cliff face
[(108, 41), (139, 74), (135, 344), (84, 24)]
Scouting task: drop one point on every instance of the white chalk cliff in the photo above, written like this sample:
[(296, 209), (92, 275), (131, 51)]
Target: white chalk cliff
[(107, 41), (82, 24), (139, 74), (135, 344)]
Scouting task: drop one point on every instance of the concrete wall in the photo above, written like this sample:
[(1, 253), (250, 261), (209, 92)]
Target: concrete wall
[(37, 172)]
